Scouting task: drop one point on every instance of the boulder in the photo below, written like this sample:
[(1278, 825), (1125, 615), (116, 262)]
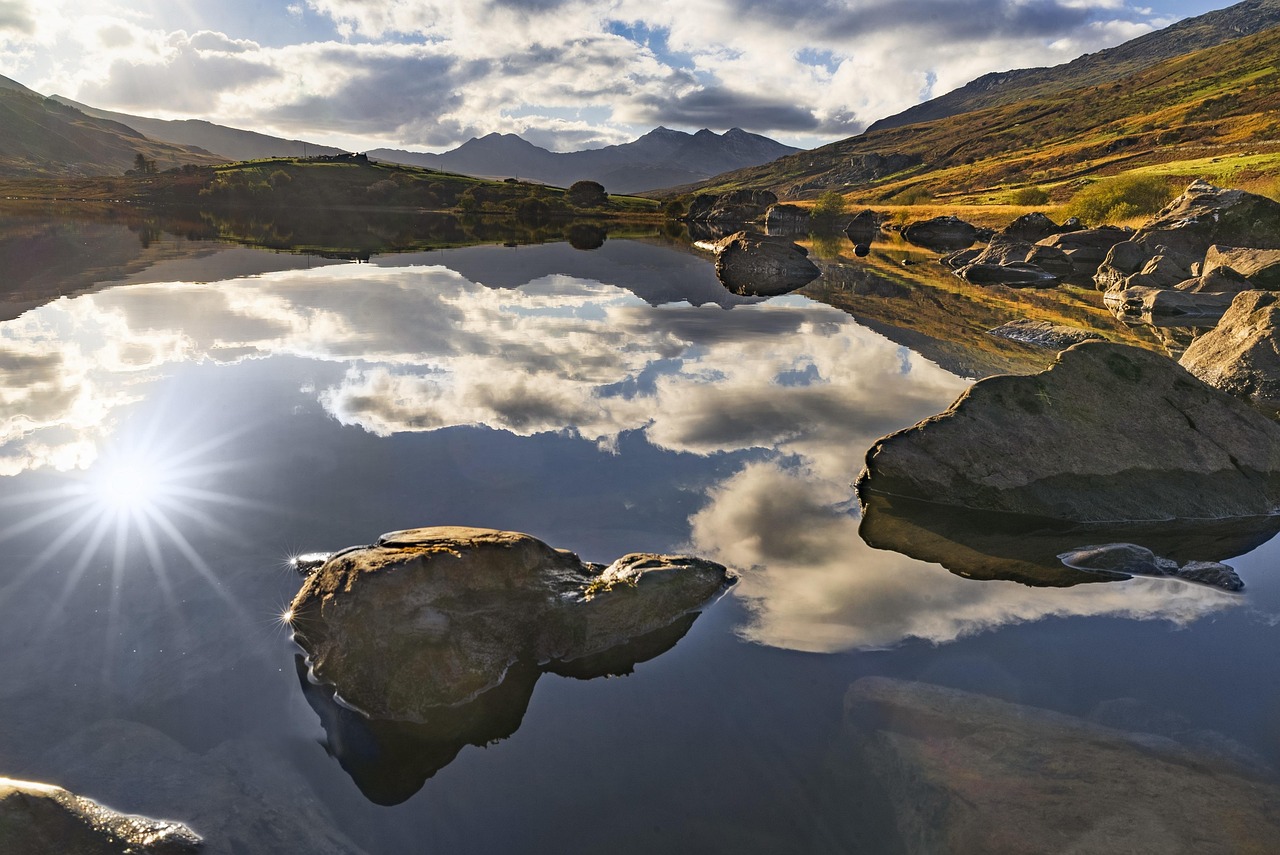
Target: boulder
[(1087, 248), (434, 617), (1014, 275), (1068, 444), (956, 771), (1147, 305), (738, 206), (1004, 249), (38, 819), (864, 228), (1260, 268), (1043, 333), (1031, 227), (786, 219), (756, 265), (961, 257), (1241, 355), (942, 234)]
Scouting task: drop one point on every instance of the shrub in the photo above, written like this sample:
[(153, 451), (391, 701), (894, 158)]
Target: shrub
[(828, 206), (1123, 197), (586, 194), (674, 209), (911, 196), (1029, 196)]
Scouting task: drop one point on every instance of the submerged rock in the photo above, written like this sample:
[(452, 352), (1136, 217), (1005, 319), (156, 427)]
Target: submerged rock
[(1012, 275), (1108, 432), (38, 819), (1133, 560), (1241, 355), (1044, 334), (961, 772), (754, 265), (943, 234)]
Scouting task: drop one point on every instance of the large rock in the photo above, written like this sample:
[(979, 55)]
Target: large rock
[(1241, 355), (1260, 268), (864, 228), (738, 206), (1032, 227), (1087, 248), (1149, 305), (1108, 432), (961, 772), (755, 265), (40, 819), (786, 219), (943, 234), (434, 617), (1013, 275)]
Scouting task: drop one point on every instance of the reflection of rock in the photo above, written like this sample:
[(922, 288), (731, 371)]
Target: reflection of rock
[(1132, 560), (1030, 550), (1066, 444), (961, 772), (1043, 333), (430, 619), (1145, 305), (1241, 355), (1013, 275), (390, 760), (37, 819), (752, 264), (941, 233)]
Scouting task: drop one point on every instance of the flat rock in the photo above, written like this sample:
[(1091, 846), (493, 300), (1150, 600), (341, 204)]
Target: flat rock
[(40, 819), (437, 616), (755, 265), (962, 772), (1241, 355), (1065, 444)]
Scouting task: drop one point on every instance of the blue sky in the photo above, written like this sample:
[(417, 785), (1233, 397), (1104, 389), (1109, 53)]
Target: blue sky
[(429, 74)]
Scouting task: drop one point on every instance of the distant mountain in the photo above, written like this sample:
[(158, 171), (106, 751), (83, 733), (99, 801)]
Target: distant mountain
[(39, 136), (230, 143), (660, 158), (1106, 66)]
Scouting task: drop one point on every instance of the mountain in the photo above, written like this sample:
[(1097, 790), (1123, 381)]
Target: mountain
[(1212, 113), (41, 137), (1008, 87), (660, 158), (230, 143)]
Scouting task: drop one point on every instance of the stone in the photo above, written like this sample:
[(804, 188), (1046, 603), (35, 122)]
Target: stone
[(786, 219), (1143, 304), (1133, 560), (1043, 333), (1087, 248), (738, 206), (961, 772), (39, 819), (1108, 433), (1031, 227), (1241, 355), (864, 228), (1260, 268), (756, 265), (434, 617), (1013, 275), (943, 234), (1004, 249), (959, 258)]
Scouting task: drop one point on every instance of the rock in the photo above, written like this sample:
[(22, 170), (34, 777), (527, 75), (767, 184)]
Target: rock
[(1142, 305), (943, 234), (39, 819), (435, 617), (1066, 444), (864, 228), (1087, 248), (961, 772), (1241, 355), (1031, 227), (1133, 560), (1043, 333), (961, 257), (1260, 268), (787, 219), (738, 206), (756, 265), (1004, 249), (1018, 548), (1014, 275)]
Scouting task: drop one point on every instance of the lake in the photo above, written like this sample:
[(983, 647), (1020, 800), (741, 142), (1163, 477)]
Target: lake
[(181, 416)]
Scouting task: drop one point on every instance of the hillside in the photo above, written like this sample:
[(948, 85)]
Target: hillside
[(39, 136), (1212, 113), (661, 158), (1106, 66), (229, 143)]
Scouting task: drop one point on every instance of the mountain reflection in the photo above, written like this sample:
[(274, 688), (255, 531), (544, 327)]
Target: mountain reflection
[(795, 389)]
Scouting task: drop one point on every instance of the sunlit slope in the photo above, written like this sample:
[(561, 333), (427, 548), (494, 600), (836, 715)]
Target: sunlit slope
[(1215, 107)]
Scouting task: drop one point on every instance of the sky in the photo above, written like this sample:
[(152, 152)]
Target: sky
[(428, 75)]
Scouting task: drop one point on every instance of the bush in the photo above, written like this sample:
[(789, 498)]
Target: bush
[(586, 194), (1029, 196), (674, 209), (911, 196), (828, 206), (1123, 197)]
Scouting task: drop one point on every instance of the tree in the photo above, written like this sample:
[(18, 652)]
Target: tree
[(142, 165), (587, 194), (829, 206)]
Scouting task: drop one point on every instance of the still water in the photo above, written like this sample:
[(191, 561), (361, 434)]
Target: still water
[(188, 416)]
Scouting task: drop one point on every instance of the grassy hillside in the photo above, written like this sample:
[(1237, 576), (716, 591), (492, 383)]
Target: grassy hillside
[(1105, 66), (39, 136), (1212, 113)]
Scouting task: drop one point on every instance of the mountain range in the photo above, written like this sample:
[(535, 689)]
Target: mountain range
[(661, 158)]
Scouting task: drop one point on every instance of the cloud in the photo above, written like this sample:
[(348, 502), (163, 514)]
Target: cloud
[(16, 17), (718, 107)]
